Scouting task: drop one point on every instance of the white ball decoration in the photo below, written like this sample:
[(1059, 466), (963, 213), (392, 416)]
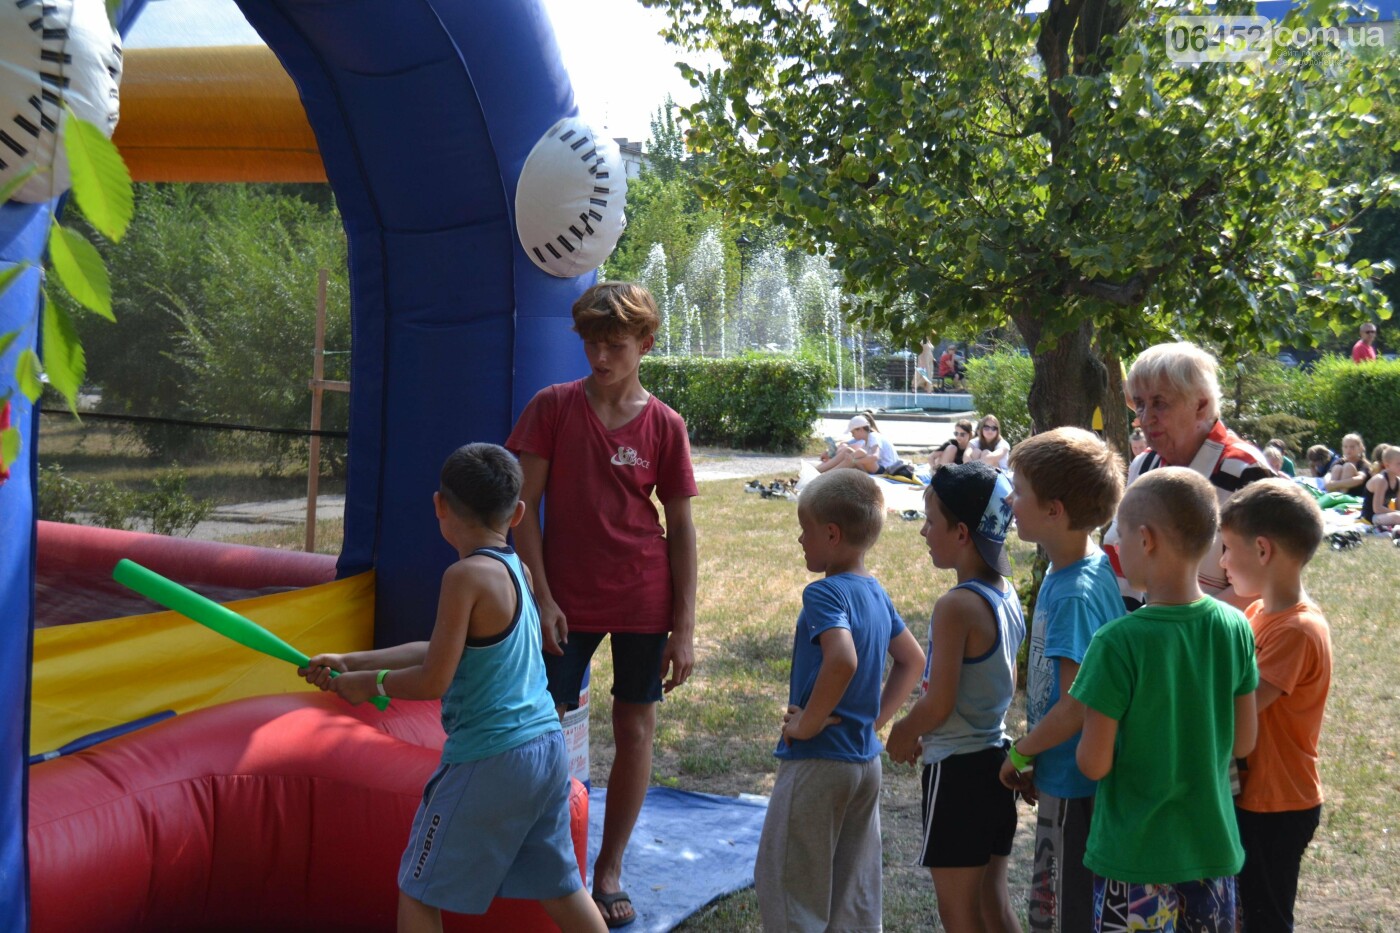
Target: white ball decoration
[(52, 52), (570, 198)]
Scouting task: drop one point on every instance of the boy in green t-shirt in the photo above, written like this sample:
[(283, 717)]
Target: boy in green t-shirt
[(1169, 697)]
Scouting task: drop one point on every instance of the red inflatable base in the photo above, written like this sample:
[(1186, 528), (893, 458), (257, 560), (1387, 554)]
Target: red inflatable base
[(280, 813)]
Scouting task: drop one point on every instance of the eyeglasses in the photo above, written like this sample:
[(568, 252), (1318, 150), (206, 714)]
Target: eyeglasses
[(990, 427), (961, 434)]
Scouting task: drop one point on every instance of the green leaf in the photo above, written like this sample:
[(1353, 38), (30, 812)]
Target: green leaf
[(6, 340), (101, 182), (7, 276), (10, 445), (79, 267), (63, 353), (8, 190), (1359, 105), (27, 374)]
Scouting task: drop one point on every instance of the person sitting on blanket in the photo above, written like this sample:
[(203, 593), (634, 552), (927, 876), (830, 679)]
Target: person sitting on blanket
[(1350, 474), (1378, 502), (989, 446), (1378, 456), (954, 450), (1288, 467), (868, 449), (1321, 459)]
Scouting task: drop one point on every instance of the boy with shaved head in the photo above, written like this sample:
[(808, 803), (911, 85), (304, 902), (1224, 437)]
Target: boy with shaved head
[(1169, 697)]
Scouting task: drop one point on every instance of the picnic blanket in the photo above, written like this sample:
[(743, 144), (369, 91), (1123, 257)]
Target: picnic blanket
[(900, 495), (687, 850)]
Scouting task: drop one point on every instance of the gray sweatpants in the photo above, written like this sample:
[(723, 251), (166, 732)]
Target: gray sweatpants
[(819, 859)]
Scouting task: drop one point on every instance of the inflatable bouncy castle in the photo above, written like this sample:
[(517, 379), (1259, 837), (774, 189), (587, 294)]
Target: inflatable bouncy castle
[(259, 805)]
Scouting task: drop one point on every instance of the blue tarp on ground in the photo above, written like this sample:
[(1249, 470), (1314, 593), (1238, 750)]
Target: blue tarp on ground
[(687, 850)]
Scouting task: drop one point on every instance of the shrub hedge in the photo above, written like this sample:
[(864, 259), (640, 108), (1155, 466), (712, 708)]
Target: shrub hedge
[(1342, 397), (1000, 384), (752, 402)]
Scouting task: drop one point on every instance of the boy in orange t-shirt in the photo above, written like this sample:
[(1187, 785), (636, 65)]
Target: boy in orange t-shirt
[(1271, 530)]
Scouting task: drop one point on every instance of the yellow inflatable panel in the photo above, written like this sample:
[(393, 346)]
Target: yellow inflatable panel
[(226, 113), (95, 675)]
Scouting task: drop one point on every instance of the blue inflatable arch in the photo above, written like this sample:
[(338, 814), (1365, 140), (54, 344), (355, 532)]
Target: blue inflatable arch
[(424, 112)]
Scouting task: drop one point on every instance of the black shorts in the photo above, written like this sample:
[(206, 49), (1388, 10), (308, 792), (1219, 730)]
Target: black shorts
[(636, 667), (969, 816)]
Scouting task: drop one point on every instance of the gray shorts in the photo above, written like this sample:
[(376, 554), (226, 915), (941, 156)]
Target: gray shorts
[(819, 857), (1062, 889), (498, 827)]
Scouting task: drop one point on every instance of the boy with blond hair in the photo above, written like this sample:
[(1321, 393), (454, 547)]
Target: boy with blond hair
[(819, 858), (957, 727), (594, 451), (1271, 530), (1067, 483), (1169, 697)]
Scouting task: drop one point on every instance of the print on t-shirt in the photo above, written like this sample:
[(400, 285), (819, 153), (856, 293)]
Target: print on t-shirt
[(627, 456)]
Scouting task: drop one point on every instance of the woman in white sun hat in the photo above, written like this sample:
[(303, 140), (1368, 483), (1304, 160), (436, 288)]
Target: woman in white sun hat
[(867, 450)]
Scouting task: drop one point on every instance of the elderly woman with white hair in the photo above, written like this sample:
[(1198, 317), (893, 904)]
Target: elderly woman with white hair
[(1174, 389)]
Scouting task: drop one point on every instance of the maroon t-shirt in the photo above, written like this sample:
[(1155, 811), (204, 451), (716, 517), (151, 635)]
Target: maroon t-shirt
[(605, 552)]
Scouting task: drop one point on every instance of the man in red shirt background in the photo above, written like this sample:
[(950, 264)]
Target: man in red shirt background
[(1363, 351)]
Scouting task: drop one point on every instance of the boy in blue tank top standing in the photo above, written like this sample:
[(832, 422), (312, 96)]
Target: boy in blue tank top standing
[(958, 725), (819, 858), (494, 820)]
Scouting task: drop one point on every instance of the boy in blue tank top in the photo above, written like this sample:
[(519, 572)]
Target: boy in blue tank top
[(819, 858), (1067, 483), (957, 727), (494, 820)]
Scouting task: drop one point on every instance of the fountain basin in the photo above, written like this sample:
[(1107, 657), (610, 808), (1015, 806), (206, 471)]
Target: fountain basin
[(892, 404)]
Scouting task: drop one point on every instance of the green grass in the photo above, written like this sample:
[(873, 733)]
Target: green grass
[(329, 534)]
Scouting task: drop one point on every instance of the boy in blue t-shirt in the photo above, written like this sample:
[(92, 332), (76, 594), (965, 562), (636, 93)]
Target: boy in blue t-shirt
[(494, 819), (1066, 483), (819, 858)]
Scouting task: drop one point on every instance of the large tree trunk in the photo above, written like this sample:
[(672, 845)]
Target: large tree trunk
[(1116, 417), (1069, 380)]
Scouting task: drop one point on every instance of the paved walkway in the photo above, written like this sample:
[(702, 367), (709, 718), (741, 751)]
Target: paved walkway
[(911, 438)]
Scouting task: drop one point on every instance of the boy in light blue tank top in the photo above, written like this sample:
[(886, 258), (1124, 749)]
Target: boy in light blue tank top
[(819, 858), (957, 728), (494, 820), (1067, 483)]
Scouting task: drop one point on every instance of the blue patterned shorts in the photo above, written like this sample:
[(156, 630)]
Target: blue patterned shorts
[(1189, 907)]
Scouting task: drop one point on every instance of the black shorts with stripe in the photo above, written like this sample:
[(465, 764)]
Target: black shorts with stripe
[(969, 816)]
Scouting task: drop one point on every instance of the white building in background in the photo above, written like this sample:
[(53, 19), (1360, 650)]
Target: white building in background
[(633, 158)]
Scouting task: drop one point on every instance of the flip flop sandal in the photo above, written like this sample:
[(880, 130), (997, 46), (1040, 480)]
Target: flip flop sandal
[(606, 903)]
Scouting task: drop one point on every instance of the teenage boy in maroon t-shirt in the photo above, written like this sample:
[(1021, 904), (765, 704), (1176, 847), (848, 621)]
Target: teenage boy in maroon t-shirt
[(594, 450)]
